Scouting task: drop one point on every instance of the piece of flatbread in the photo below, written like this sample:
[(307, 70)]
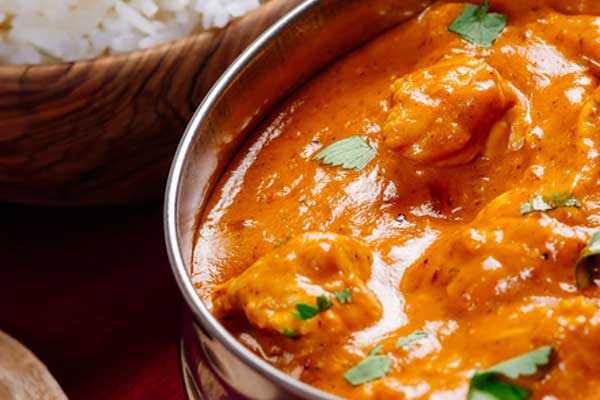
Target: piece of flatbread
[(23, 376)]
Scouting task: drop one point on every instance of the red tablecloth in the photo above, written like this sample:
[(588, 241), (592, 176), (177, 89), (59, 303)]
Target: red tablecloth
[(90, 292)]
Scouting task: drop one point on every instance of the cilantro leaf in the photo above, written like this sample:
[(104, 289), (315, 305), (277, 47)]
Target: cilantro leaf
[(535, 203), (371, 368), (539, 203), (350, 153), (324, 303), (487, 385), (564, 200), (290, 333), (587, 265), (343, 296), (478, 26), (524, 365), (415, 336), (306, 311), (376, 350)]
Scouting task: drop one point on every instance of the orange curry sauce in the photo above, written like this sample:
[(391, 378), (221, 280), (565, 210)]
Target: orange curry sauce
[(429, 235)]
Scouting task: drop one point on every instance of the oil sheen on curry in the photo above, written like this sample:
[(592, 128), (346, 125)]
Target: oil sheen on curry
[(418, 221)]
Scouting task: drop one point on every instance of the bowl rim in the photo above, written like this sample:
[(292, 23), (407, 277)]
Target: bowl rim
[(187, 289)]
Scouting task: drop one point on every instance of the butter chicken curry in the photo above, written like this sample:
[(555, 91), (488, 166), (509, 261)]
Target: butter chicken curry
[(418, 221)]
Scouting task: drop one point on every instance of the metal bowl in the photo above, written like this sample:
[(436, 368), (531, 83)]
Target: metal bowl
[(214, 364)]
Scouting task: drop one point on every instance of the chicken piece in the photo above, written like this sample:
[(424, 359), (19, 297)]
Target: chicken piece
[(586, 168), (491, 263), (307, 266), (443, 114), (575, 35), (570, 326)]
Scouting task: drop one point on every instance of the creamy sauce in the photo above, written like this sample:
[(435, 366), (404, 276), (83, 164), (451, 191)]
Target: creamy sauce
[(433, 220)]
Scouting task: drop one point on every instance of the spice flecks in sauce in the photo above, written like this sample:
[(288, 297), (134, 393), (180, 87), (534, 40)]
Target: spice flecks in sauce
[(437, 210)]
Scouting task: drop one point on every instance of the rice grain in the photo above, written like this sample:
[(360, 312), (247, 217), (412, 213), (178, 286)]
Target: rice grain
[(41, 31)]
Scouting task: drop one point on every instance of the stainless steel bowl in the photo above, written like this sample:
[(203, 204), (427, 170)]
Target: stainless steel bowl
[(214, 364)]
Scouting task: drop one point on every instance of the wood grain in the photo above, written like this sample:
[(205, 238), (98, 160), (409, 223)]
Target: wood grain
[(104, 131)]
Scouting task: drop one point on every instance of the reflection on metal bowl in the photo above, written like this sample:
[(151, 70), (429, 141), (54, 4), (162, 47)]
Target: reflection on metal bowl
[(214, 364)]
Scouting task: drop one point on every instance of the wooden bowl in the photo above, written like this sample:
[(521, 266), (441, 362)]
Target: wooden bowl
[(104, 131)]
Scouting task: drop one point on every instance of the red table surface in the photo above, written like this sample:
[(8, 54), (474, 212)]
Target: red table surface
[(90, 292)]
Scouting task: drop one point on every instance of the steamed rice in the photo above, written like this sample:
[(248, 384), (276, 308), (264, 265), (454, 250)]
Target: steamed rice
[(38, 31)]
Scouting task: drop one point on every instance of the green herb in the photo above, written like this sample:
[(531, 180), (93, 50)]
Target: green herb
[(564, 200), (343, 296), (371, 368), (306, 311), (535, 203), (488, 386), (292, 334), (323, 303), (587, 267), (539, 203), (525, 365), (478, 26), (415, 336), (349, 153), (376, 350)]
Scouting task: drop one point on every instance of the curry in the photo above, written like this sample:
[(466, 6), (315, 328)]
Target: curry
[(417, 221)]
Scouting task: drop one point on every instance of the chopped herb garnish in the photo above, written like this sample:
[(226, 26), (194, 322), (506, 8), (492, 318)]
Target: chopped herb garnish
[(539, 203), (478, 26), (564, 200), (306, 311), (415, 336), (525, 365), (535, 203), (343, 296), (488, 386), (323, 303), (587, 266), (376, 350), (371, 368), (292, 334), (349, 153)]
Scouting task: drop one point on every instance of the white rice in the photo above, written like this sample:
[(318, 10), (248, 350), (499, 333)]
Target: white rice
[(39, 31)]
